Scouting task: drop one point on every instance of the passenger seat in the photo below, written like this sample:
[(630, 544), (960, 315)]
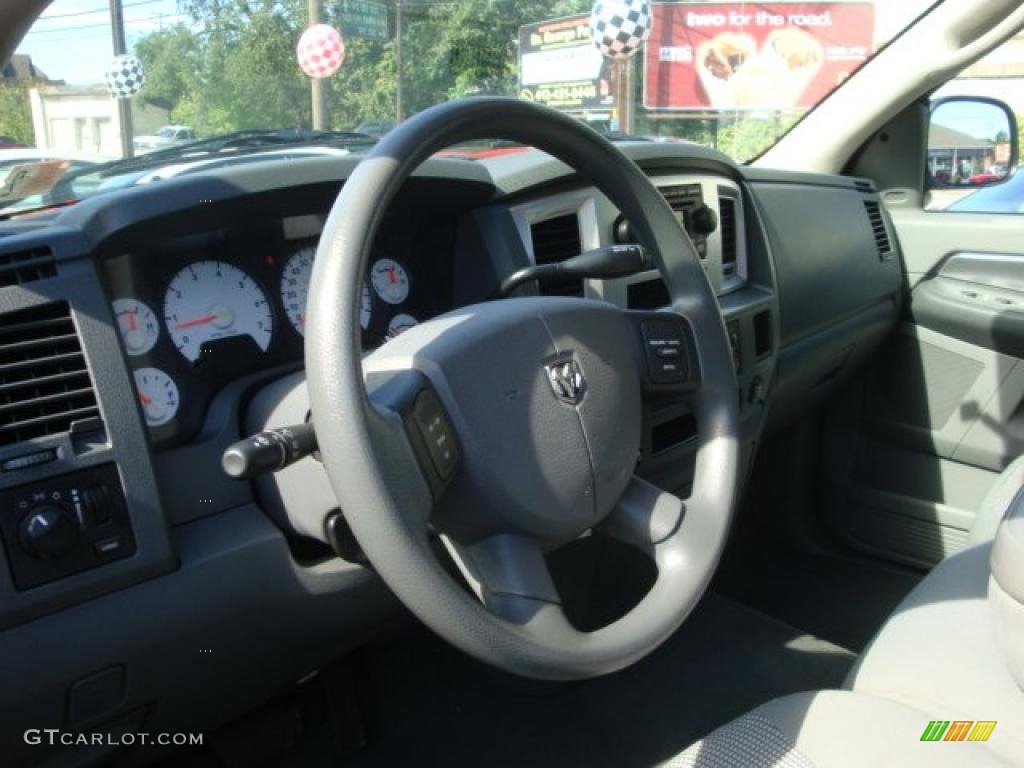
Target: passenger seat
[(947, 649), (952, 650)]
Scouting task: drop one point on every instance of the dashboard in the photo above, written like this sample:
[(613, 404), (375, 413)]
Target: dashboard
[(198, 311), (144, 331)]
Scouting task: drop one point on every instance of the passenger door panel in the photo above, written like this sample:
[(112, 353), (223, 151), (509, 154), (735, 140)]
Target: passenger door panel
[(916, 444)]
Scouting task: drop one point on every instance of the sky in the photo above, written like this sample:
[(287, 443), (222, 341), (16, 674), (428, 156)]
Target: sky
[(72, 40)]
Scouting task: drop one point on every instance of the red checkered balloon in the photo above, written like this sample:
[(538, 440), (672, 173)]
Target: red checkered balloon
[(320, 51)]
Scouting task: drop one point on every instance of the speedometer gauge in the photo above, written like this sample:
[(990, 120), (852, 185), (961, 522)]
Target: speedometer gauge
[(295, 290), (211, 300), (390, 281)]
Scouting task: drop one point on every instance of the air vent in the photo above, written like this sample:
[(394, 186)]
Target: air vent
[(878, 228), (683, 200), (864, 185), (727, 222), (44, 383), (26, 266), (556, 240)]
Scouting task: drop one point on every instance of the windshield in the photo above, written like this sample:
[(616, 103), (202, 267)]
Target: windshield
[(197, 81)]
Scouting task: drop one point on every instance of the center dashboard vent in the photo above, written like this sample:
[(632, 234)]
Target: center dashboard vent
[(878, 230), (556, 240), (727, 223), (684, 199), (45, 385), (23, 267)]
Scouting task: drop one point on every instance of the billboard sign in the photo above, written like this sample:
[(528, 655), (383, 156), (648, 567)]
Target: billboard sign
[(560, 67), (364, 18), (761, 56)]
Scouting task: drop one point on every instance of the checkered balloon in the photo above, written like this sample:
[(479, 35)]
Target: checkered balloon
[(125, 76), (320, 51), (620, 27)]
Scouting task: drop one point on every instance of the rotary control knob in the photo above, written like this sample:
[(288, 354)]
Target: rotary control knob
[(703, 220), (48, 532)]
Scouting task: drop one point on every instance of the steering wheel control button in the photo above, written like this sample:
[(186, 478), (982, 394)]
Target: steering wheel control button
[(65, 525), (48, 532), (665, 350), (437, 433)]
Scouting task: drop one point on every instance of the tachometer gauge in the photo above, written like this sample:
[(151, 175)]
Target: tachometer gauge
[(158, 394), (211, 300), (295, 291), (138, 325), (390, 281), (400, 324)]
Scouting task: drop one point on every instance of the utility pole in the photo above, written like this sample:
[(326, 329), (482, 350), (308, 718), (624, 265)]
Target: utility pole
[(124, 107), (399, 107), (622, 84), (319, 87)]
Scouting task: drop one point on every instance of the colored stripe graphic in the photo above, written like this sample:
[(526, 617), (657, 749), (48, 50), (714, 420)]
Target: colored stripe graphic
[(958, 730), (982, 730)]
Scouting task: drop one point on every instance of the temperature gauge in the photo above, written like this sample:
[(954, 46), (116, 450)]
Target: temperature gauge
[(138, 325), (158, 394), (400, 324), (390, 281)]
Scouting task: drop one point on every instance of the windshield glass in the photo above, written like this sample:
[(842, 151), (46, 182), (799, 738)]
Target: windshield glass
[(196, 81)]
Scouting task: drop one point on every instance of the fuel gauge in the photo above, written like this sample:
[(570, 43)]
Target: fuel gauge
[(158, 394), (138, 325)]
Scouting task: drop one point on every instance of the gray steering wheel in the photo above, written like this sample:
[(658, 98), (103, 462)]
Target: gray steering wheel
[(508, 428)]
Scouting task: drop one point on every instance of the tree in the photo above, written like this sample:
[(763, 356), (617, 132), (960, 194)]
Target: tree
[(16, 115)]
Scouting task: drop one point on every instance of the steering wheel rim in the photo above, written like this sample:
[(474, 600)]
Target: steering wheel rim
[(382, 487)]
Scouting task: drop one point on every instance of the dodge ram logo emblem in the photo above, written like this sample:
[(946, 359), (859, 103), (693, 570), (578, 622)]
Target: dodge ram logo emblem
[(566, 379)]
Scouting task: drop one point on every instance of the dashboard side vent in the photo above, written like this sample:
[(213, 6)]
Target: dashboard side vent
[(556, 240), (878, 229), (727, 222), (23, 267), (45, 385), (864, 185)]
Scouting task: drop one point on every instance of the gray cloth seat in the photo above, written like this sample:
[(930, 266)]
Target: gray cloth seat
[(944, 654), (831, 729)]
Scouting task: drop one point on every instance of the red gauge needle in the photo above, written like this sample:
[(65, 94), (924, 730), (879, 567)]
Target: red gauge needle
[(198, 321), (132, 324), (391, 276), (145, 400)]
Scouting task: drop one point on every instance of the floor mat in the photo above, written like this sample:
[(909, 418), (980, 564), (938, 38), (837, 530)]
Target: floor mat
[(842, 600), (427, 704)]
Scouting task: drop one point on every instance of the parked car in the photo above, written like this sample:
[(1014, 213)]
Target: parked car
[(6, 142), (167, 136), (375, 128), (1004, 197)]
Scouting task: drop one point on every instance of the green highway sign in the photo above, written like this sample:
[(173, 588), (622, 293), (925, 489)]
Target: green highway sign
[(364, 18)]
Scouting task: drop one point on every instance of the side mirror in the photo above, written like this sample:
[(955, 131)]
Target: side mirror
[(972, 142)]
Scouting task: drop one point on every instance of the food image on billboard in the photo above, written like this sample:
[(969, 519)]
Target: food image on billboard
[(776, 56), (560, 67)]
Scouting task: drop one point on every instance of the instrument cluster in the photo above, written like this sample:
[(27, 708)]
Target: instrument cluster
[(198, 312)]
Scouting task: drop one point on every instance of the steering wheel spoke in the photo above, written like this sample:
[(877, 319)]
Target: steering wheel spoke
[(644, 516), (411, 408), (667, 352), (509, 575)]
